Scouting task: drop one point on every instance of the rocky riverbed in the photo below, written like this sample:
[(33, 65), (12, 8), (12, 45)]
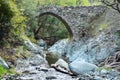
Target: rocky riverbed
[(96, 57), (36, 67), (44, 72), (41, 72)]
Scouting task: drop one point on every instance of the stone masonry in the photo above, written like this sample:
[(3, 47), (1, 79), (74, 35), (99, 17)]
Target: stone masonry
[(75, 18)]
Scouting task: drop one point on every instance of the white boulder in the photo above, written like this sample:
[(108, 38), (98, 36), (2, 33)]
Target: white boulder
[(63, 64), (81, 67)]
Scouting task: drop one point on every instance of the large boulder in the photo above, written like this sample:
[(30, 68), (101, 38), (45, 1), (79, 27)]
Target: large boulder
[(51, 58), (21, 64), (3, 63), (81, 67), (34, 48), (59, 48), (42, 43), (63, 64)]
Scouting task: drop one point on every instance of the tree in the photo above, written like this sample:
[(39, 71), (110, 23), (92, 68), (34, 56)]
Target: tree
[(5, 16), (115, 4), (12, 22), (78, 2), (51, 29)]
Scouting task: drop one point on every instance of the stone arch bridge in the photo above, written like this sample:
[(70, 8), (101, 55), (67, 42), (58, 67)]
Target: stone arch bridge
[(74, 17)]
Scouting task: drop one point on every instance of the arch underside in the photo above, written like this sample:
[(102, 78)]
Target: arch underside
[(61, 19)]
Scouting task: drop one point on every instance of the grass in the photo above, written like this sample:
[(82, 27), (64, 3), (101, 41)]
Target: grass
[(2, 71), (104, 67)]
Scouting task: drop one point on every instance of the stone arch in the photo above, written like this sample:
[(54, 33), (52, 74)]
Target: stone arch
[(61, 19)]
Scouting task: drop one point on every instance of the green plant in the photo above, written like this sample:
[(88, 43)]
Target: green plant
[(118, 44), (2, 71), (5, 16), (104, 67), (118, 33), (51, 29), (103, 26)]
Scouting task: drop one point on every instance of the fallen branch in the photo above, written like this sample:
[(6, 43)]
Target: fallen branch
[(114, 5), (62, 70), (113, 61)]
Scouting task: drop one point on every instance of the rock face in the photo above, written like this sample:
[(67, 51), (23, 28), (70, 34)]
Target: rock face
[(3, 63), (36, 59), (21, 64), (81, 67), (34, 48), (92, 50), (95, 49), (37, 55), (58, 48), (83, 55)]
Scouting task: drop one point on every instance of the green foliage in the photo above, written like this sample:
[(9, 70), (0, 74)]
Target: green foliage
[(58, 2), (5, 43), (29, 10), (95, 2), (2, 71), (6, 71), (52, 28), (5, 12), (118, 33), (104, 67), (118, 43), (84, 2), (21, 52), (65, 2), (12, 23), (17, 21), (103, 26), (5, 16)]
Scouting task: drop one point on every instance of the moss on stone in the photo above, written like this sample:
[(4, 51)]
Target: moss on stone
[(104, 67)]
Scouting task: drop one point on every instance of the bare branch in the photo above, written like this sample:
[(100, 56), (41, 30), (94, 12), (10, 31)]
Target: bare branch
[(114, 5)]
